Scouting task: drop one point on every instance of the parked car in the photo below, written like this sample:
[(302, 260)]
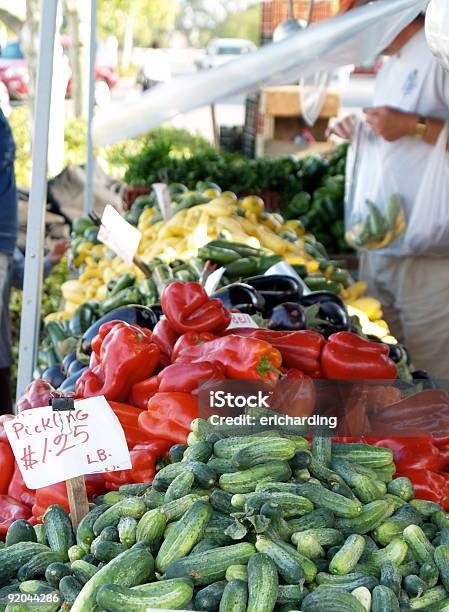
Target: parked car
[(223, 50), (14, 72)]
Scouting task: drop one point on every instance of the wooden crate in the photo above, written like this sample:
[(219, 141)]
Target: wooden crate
[(285, 102), (275, 11)]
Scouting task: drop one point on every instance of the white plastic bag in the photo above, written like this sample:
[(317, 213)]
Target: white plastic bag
[(428, 229), (437, 30), (312, 96), (374, 212)]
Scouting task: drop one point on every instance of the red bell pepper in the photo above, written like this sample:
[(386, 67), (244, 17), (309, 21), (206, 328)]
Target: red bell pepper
[(188, 308), (122, 355), (300, 350), (57, 494), (128, 416), (11, 510), (165, 337), (429, 485), (143, 458), (294, 394), (346, 356), (190, 339), (3, 419), (18, 489), (187, 377), (7, 463), (169, 416), (246, 358), (414, 453), (37, 394), (142, 391)]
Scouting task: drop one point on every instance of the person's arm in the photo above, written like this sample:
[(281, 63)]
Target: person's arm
[(54, 256), (393, 124)]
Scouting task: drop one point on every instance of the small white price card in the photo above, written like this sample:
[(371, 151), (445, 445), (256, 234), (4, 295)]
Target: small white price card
[(51, 446), (119, 235), (163, 199), (241, 319)]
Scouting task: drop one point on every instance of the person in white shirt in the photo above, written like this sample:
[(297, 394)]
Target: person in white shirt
[(409, 112)]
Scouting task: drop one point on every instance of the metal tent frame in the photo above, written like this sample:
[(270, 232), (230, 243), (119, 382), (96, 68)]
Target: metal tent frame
[(298, 55), (35, 239)]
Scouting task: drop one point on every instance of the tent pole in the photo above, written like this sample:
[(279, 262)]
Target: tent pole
[(29, 328), (89, 191)]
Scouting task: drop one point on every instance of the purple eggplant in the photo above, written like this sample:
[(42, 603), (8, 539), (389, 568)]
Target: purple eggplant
[(242, 297), (276, 289), (287, 317), (327, 318), (54, 375)]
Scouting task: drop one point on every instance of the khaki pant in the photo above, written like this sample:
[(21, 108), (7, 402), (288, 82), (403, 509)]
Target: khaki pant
[(414, 292)]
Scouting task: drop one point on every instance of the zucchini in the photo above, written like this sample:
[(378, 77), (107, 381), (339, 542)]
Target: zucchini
[(237, 572), (70, 588), (36, 566), (337, 600), (58, 529), (246, 480), (168, 594), (339, 505), (345, 560), (151, 527), (127, 528), (402, 487), (187, 533), (384, 600), (235, 597), (20, 531), (55, 571), (210, 566), (209, 598), (82, 570), (287, 564), (131, 506), (363, 454), (262, 583), (257, 452), (180, 486), (130, 568)]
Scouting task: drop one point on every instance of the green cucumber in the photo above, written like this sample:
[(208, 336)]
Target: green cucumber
[(176, 453), (323, 498), (188, 531), (20, 531), (221, 466), (419, 544), (384, 600), (322, 449), (414, 585), (390, 576), (371, 516), (55, 571), (76, 552), (428, 599), (85, 533), (70, 588), (153, 499), (132, 567), (210, 566), (58, 529), (287, 564), (235, 597), (319, 518), (402, 487), (363, 454), (347, 582), (209, 598), (221, 501), (337, 600), (180, 486), (83, 571), (131, 506), (325, 536), (151, 527), (168, 594), (308, 545), (105, 550), (257, 452), (348, 556), (127, 528), (36, 566), (201, 451), (425, 507), (175, 509), (309, 567), (395, 552), (237, 572), (226, 447), (246, 480), (441, 558), (262, 583)]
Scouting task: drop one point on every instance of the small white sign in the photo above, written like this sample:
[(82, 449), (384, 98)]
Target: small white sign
[(51, 446), (213, 280), (286, 269), (241, 319), (163, 199), (119, 235)]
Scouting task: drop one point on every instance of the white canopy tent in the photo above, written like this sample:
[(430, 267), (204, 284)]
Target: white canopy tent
[(354, 37)]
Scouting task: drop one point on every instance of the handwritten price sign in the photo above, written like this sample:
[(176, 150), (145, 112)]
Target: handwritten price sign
[(51, 446), (119, 235)]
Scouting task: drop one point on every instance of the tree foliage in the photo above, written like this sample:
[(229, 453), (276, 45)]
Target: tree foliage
[(241, 25)]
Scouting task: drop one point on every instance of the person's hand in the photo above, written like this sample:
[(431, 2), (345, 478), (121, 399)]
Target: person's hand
[(344, 128), (390, 123), (58, 250)]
